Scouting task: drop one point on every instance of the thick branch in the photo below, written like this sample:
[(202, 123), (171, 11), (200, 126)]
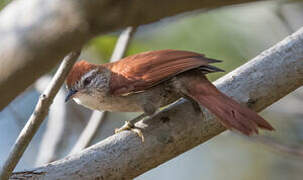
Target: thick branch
[(259, 83), (35, 35)]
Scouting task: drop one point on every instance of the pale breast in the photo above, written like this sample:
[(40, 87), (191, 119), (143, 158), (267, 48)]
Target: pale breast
[(157, 97)]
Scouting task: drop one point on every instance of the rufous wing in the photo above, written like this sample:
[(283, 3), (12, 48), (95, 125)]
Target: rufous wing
[(142, 71)]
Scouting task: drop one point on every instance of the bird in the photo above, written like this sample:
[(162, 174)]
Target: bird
[(150, 80)]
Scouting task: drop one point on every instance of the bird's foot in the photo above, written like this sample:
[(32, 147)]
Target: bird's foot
[(128, 126)]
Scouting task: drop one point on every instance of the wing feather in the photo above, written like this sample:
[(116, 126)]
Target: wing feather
[(142, 71)]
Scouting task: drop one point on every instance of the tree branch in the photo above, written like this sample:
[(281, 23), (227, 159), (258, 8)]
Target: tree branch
[(258, 83), (51, 29), (39, 114), (55, 126)]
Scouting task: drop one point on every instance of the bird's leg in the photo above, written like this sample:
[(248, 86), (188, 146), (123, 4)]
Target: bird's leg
[(148, 109), (130, 126)]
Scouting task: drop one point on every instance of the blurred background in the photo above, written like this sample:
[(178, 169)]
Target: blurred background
[(234, 34)]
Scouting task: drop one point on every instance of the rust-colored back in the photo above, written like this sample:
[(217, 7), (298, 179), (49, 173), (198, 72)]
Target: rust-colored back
[(144, 70)]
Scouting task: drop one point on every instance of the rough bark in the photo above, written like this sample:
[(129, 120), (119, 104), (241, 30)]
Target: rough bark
[(36, 35), (258, 83)]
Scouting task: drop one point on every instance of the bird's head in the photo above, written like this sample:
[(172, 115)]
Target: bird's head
[(85, 80)]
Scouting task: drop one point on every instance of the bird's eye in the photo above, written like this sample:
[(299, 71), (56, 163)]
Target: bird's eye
[(87, 81)]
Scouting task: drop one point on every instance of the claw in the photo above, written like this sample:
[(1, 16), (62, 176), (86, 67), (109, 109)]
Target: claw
[(128, 126), (139, 133)]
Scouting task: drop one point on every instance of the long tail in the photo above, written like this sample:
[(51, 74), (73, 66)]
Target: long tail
[(230, 113)]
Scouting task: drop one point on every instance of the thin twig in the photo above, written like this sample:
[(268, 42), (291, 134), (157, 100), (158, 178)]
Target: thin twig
[(123, 43), (37, 117), (89, 131), (97, 117), (56, 125)]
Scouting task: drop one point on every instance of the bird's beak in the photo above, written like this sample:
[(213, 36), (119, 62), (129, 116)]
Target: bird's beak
[(70, 94)]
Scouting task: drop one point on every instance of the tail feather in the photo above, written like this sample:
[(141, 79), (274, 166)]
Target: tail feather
[(210, 69), (230, 113), (210, 60)]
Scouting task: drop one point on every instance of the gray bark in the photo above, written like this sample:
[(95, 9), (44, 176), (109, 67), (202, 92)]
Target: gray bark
[(258, 83)]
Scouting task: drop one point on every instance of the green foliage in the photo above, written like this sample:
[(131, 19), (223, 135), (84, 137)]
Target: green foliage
[(3, 3), (104, 46)]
